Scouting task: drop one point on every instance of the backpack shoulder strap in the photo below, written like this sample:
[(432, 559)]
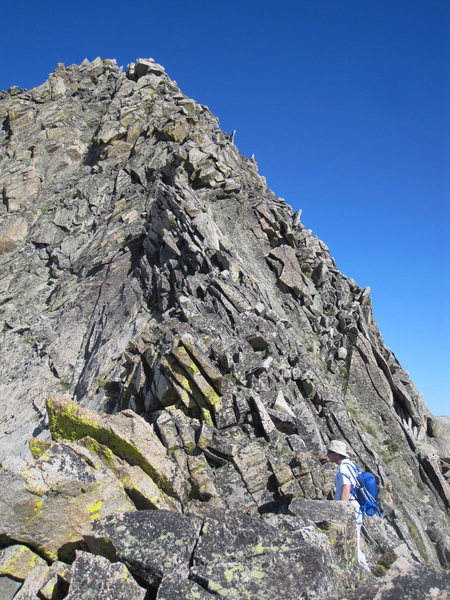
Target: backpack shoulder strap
[(352, 465)]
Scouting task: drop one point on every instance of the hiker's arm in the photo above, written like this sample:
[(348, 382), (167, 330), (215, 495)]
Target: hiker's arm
[(345, 492)]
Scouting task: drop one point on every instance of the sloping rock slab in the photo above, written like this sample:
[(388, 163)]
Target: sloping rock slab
[(150, 543), (407, 581), (94, 577), (140, 487), (8, 588), (18, 561), (47, 583), (337, 521), (33, 583), (44, 506), (127, 434), (239, 557)]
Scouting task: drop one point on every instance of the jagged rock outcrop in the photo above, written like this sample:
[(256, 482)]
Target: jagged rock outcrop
[(179, 349)]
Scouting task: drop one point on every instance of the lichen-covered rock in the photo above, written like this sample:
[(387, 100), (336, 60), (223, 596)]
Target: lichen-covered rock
[(337, 521), (139, 486), (45, 505), (33, 583), (226, 553), (150, 543), (406, 580), (95, 577), (208, 343), (18, 561), (57, 581), (172, 587), (239, 557), (125, 433)]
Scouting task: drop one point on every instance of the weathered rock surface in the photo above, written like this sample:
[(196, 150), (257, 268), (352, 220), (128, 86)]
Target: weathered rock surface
[(94, 577), (46, 582), (151, 543), (18, 561), (208, 348), (224, 553), (126, 434), (407, 581), (45, 505)]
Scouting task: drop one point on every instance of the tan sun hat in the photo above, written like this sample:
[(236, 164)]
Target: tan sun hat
[(338, 447)]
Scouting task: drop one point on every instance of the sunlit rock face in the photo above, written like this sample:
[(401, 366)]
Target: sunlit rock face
[(174, 340)]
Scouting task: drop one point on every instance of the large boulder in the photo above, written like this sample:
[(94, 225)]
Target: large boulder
[(238, 557), (405, 580), (45, 504), (127, 434), (226, 553), (17, 561), (95, 577), (150, 543)]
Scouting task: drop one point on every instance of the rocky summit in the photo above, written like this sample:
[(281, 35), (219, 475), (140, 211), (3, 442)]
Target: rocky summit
[(177, 352)]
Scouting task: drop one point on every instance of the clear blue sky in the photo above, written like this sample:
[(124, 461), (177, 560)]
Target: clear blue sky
[(345, 104)]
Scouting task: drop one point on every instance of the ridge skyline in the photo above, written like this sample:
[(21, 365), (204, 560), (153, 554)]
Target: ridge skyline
[(300, 169)]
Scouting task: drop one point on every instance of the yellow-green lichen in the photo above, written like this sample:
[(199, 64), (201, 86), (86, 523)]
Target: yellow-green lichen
[(38, 447), (69, 423), (48, 554), (72, 423), (261, 549), (198, 468), (216, 587), (21, 564), (95, 506), (25, 474), (233, 573), (258, 549), (94, 510), (48, 590), (101, 450), (258, 574)]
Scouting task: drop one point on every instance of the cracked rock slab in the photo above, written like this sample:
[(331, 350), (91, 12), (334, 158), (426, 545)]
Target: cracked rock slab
[(127, 434), (150, 543), (238, 557), (18, 561), (95, 577), (45, 505)]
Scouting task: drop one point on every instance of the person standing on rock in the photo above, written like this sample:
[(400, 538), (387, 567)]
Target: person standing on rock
[(345, 481)]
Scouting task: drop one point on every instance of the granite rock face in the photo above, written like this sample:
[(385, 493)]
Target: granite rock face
[(177, 351)]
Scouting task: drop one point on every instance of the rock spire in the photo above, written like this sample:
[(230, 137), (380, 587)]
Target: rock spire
[(177, 351)]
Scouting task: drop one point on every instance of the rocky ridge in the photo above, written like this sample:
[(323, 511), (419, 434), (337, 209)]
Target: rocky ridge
[(177, 350)]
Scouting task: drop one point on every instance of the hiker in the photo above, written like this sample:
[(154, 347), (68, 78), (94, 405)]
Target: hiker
[(345, 480)]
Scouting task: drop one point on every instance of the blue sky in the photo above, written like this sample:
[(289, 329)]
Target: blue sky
[(344, 104)]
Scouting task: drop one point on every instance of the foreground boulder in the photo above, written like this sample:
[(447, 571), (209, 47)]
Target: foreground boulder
[(126, 434), (94, 577), (406, 580), (18, 561), (149, 543), (226, 553), (45, 505)]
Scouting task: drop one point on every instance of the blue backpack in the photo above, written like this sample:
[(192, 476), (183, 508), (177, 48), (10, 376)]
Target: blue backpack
[(366, 492)]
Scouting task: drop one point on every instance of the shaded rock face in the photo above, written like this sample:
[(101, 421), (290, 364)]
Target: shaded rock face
[(226, 553), (174, 339)]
